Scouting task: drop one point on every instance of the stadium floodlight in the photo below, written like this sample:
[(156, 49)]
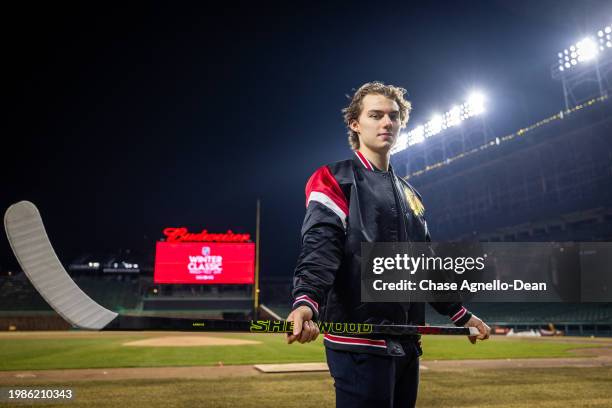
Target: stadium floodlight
[(434, 126), (473, 106), (605, 38), (585, 50), (417, 135), (401, 143), (453, 117), (476, 103)]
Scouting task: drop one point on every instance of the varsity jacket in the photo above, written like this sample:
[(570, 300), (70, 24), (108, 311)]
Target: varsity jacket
[(347, 203)]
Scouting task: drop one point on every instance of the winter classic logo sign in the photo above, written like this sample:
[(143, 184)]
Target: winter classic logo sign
[(205, 266)]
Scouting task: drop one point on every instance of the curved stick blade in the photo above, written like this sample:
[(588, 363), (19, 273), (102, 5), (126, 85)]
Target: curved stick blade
[(32, 248)]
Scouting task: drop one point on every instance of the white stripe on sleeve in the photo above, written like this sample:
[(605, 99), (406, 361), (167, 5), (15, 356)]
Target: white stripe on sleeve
[(329, 203)]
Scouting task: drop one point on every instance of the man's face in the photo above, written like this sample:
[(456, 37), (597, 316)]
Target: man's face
[(379, 123)]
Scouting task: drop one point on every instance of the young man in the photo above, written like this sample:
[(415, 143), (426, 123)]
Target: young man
[(350, 202)]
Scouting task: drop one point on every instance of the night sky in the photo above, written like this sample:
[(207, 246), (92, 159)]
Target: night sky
[(122, 120)]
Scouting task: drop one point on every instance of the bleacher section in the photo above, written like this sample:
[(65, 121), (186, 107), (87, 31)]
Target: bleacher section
[(549, 175), (196, 303), (18, 294), (111, 293)]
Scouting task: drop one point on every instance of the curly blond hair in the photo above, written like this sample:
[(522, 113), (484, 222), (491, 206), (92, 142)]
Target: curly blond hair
[(353, 110)]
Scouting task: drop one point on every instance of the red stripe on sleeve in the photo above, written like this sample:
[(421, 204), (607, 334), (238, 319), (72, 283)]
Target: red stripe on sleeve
[(323, 181)]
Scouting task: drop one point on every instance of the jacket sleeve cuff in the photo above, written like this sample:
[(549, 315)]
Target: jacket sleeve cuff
[(305, 300), (461, 316)]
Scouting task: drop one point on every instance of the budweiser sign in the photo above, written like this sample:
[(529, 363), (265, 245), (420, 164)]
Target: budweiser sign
[(182, 235)]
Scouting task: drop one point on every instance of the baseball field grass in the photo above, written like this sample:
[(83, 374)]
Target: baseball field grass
[(77, 349), (23, 353), (543, 388)]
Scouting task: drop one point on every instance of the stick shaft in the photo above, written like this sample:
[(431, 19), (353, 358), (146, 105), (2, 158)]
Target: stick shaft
[(136, 323)]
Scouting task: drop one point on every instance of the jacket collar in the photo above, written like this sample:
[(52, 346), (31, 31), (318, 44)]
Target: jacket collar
[(361, 161)]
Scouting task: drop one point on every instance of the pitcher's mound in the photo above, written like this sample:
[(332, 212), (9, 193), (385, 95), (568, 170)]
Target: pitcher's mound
[(189, 341)]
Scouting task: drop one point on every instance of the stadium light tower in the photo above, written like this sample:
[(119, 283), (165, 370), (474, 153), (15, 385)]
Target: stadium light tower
[(587, 61)]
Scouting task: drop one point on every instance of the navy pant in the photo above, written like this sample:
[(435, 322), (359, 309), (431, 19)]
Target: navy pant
[(371, 381)]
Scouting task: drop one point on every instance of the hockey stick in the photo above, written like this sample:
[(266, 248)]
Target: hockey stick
[(32, 248)]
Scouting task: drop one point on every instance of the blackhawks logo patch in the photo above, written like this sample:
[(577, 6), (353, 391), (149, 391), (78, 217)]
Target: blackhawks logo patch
[(415, 203)]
